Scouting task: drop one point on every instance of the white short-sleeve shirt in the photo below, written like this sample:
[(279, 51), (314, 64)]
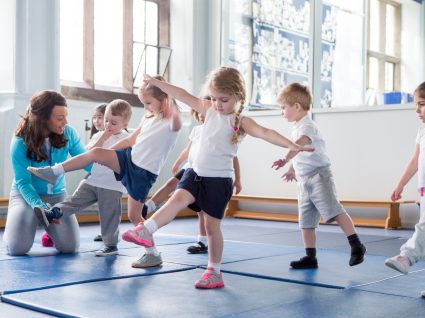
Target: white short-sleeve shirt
[(306, 163), (101, 176)]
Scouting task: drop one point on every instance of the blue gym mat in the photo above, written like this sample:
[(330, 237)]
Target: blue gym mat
[(341, 304), (88, 245), (329, 240), (387, 248), (233, 251), (405, 285), (7, 311), (333, 271), (241, 297), (30, 273)]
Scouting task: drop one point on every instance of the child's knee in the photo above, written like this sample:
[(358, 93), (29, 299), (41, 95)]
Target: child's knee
[(16, 248)]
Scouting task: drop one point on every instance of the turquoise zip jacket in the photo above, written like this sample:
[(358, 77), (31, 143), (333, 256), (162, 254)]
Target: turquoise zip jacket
[(30, 186)]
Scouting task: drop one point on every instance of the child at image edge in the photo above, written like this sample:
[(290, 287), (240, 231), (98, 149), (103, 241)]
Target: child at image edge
[(414, 249), (316, 190), (209, 182)]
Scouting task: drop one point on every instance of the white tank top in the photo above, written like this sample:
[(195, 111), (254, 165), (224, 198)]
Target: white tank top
[(154, 143), (215, 154)]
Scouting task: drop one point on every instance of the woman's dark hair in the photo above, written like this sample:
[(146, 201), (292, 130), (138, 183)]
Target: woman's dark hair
[(99, 108), (32, 127)]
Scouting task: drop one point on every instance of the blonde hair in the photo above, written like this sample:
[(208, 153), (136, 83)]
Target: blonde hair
[(420, 90), (119, 107), (160, 95), (295, 93), (230, 81)]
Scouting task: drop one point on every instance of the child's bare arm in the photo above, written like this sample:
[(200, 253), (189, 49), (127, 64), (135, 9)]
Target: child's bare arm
[(178, 93), (181, 158), (409, 172), (252, 128), (237, 184), (101, 140), (302, 141), (128, 141), (176, 120)]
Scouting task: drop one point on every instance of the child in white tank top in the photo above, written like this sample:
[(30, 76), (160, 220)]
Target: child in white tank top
[(209, 183)]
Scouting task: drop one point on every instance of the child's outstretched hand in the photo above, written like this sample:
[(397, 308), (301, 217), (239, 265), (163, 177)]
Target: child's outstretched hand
[(147, 79), (279, 164), (289, 176), (396, 194)]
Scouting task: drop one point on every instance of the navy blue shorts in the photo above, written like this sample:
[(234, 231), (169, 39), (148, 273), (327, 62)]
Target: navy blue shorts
[(136, 180), (192, 206), (211, 194)]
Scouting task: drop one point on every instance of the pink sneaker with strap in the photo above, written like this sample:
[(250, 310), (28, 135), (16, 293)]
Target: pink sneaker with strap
[(139, 235), (210, 279)]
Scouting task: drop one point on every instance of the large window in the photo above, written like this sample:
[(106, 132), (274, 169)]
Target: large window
[(351, 53), (107, 45), (384, 46)]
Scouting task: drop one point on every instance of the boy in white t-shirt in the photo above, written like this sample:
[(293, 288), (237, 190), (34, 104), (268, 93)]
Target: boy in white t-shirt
[(316, 190), (414, 249), (101, 186)]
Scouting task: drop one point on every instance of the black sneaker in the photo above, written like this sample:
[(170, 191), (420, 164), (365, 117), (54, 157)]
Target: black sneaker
[(107, 251), (144, 211), (305, 262), (198, 248), (98, 238), (357, 255), (47, 216)]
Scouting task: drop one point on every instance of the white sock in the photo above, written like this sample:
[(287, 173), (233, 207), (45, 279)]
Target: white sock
[(203, 239), (150, 205), (151, 226), (152, 250), (215, 266), (57, 169)]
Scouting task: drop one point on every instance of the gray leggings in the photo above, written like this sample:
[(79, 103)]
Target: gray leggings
[(21, 225)]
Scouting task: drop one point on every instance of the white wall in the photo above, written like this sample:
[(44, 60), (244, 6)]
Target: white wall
[(368, 149)]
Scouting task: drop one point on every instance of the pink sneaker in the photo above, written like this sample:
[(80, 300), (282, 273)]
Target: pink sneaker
[(46, 240), (210, 279), (139, 235)]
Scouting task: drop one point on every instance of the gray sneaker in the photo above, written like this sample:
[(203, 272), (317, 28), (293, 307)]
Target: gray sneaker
[(398, 263), (148, 260), (107, 251), (45, 173)]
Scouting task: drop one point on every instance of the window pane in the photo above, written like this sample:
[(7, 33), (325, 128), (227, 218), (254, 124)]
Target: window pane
[(145, 61), (373, 81), (151, 22), (342, 41), (237, 37), (389, 76), (71, 40), (374, 25), (108, 38), (281, 47), (389, 30), (356, 6)]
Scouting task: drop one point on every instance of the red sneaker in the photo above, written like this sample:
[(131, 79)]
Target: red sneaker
[(46, 240)]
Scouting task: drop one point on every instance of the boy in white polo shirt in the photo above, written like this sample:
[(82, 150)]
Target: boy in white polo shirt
[(316, 190)]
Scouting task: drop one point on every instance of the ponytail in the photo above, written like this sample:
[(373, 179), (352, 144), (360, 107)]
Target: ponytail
[(236, 124)]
